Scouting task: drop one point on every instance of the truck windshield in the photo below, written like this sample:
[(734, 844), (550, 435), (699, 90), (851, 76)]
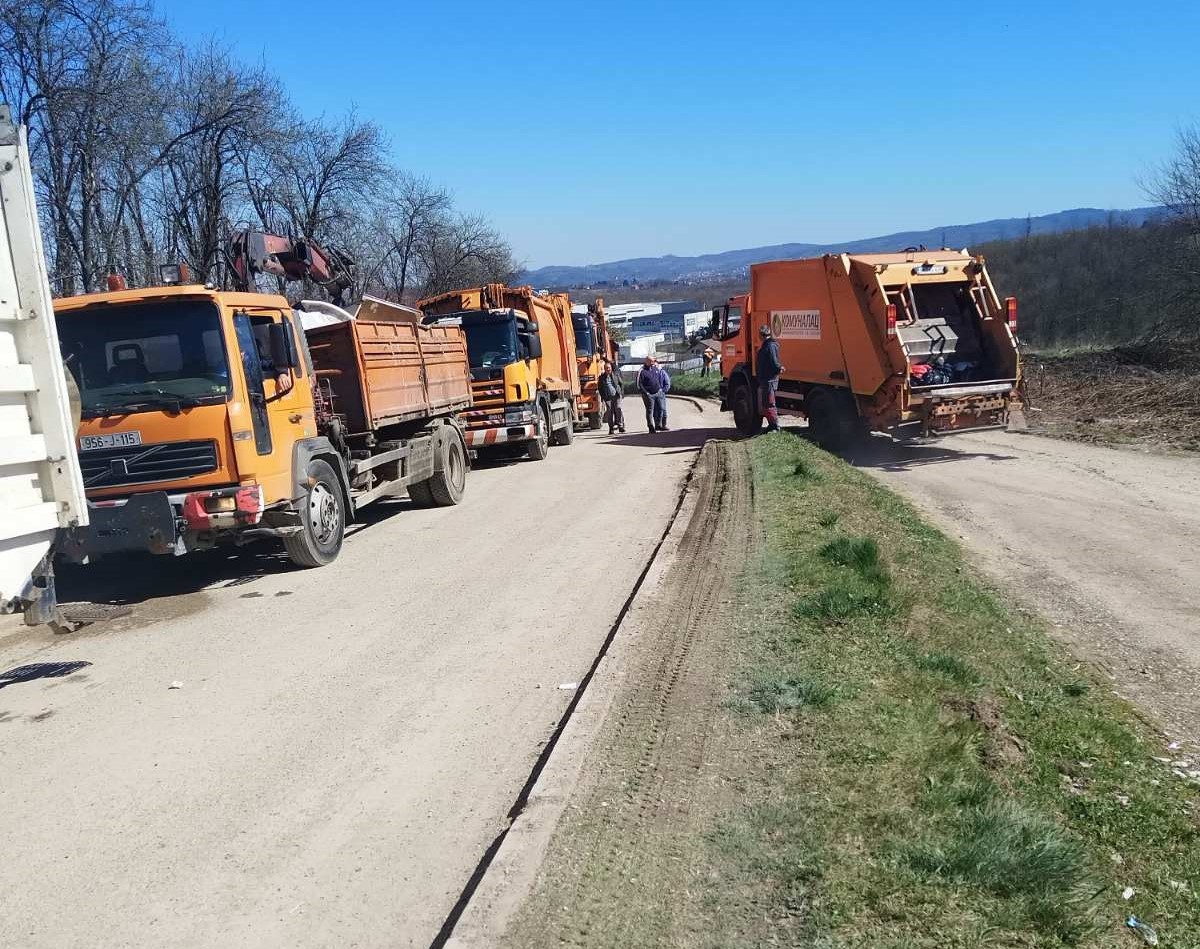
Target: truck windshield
[(145, 355), (491, 344), (585, 342)]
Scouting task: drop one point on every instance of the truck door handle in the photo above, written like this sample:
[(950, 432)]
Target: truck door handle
[(295, 417)]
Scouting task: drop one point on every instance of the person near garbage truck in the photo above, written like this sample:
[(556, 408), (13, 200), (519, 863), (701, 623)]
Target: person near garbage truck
[(707, 356), (767, 368), (654, 384), (611, 393)]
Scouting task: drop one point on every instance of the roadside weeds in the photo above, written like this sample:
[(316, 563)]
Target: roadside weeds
[(888, 757)]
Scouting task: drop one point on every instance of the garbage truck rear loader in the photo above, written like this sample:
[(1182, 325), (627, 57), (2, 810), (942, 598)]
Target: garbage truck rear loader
[(916, 341)]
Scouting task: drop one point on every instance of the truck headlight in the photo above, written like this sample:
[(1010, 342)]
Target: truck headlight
[(517, 416)]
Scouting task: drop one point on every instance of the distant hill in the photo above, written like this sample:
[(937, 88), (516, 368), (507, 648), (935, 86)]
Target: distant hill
[(733, 263)]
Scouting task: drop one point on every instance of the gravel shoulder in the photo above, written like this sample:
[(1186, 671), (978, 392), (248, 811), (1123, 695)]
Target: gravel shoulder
[(1103, 542)]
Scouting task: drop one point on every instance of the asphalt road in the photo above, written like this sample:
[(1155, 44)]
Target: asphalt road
[(1105, 543), (344, 743)]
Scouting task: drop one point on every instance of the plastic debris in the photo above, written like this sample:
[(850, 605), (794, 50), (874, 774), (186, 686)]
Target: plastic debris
[(1174, 746), (1177, 885), (1146, 931), (1127, 893), (175, 685), (568, 686)]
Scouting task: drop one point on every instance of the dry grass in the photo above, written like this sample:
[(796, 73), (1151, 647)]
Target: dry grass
[(1146, 394)]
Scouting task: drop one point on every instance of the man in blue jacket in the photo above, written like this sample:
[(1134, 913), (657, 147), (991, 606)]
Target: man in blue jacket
[(767, 368), (654, 384)]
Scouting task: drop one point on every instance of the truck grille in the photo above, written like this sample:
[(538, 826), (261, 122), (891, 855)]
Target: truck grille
[(142, 464), (487, 393)]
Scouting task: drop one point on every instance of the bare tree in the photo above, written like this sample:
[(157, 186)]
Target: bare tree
[(231, 108), (465, 251)]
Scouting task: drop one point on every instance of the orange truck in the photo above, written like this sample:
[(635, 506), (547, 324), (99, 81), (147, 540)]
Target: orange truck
[(211, 416), (592, 346), (916, 341), (524, 369)]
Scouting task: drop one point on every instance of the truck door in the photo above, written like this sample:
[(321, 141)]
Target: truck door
[(279, 394)]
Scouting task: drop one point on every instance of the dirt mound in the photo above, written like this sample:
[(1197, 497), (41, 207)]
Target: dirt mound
[(1146, 393)]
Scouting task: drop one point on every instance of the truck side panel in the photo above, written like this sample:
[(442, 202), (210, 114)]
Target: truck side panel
[(792, 297), (41, 489), (386, 372), (861, 327)]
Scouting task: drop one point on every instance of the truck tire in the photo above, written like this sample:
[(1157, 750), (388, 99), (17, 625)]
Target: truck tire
[(539, 445), (745, 413), (420, 493), (566, 434), (449, 481), (322, 519), (593, 420), (831, 417)]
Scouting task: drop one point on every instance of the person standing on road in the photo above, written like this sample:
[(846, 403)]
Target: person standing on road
[(612, 392), (767, 368), (707, 356), (654, 384)]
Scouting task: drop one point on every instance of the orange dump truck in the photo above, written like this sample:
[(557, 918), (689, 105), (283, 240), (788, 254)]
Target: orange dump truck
[(916, 340), (212, 416), (524, 371)]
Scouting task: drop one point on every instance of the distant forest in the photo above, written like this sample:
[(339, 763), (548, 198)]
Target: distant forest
[(1102, 286)]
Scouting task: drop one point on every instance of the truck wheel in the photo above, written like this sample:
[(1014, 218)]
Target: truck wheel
[(832, 418), (420, 494), (594, 421), (450, 480), (322, 520), (566, 434), (539, 446), (745, 416)]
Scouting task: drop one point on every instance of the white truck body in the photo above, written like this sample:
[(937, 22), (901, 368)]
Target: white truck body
[(41, 488)]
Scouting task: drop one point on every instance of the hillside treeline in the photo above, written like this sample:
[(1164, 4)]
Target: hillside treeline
[(1102, 286), (146, 151)]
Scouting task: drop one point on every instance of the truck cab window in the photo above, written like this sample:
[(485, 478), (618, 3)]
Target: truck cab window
[(733, 321)]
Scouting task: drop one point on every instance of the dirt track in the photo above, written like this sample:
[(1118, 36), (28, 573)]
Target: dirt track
[(648, 778), (1105, 543), (346, 743)]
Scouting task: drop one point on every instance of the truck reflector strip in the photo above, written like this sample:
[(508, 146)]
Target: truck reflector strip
[(481, 438)]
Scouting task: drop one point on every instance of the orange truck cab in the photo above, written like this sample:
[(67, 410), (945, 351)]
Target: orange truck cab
[(524, 365), (205, 419), (916, 341)]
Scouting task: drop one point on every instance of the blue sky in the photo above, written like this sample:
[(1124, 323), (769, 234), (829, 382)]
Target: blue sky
[(590, 132)]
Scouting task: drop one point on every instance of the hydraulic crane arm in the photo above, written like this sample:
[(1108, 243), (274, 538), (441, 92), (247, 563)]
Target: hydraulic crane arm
[(253, 252)]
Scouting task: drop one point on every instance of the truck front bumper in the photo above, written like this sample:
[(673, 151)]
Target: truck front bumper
[(499, 435), (142, 522)]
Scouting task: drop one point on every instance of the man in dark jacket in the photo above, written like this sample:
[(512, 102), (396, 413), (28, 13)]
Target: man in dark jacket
[(767, 369), (654, 384), (612, 392)]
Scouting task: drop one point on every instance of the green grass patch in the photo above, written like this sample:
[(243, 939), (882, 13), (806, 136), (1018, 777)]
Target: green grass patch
[(925, 766), (693, 384)]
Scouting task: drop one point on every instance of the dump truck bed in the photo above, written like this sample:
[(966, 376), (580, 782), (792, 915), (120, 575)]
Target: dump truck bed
[(385, 368)]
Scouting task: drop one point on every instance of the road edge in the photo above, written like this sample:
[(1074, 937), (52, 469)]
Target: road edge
[(510, 873)]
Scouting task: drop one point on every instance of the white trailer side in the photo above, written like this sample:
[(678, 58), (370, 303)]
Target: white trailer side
[(41, 489)]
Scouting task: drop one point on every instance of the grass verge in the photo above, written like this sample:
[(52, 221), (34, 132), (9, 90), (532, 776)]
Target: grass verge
[(929, 769)]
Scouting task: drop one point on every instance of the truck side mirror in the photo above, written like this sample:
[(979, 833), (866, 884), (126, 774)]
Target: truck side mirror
[(283, 347), (535, 346)]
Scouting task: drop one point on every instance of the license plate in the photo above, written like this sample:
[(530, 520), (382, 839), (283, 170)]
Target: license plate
[(113, 440)]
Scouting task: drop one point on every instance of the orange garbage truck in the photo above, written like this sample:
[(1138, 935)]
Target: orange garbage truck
[(912, 342), (593, 345), (524, 367), (212, 416)]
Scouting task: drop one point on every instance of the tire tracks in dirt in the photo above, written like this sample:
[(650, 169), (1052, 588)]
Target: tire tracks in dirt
[(646, 780)]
